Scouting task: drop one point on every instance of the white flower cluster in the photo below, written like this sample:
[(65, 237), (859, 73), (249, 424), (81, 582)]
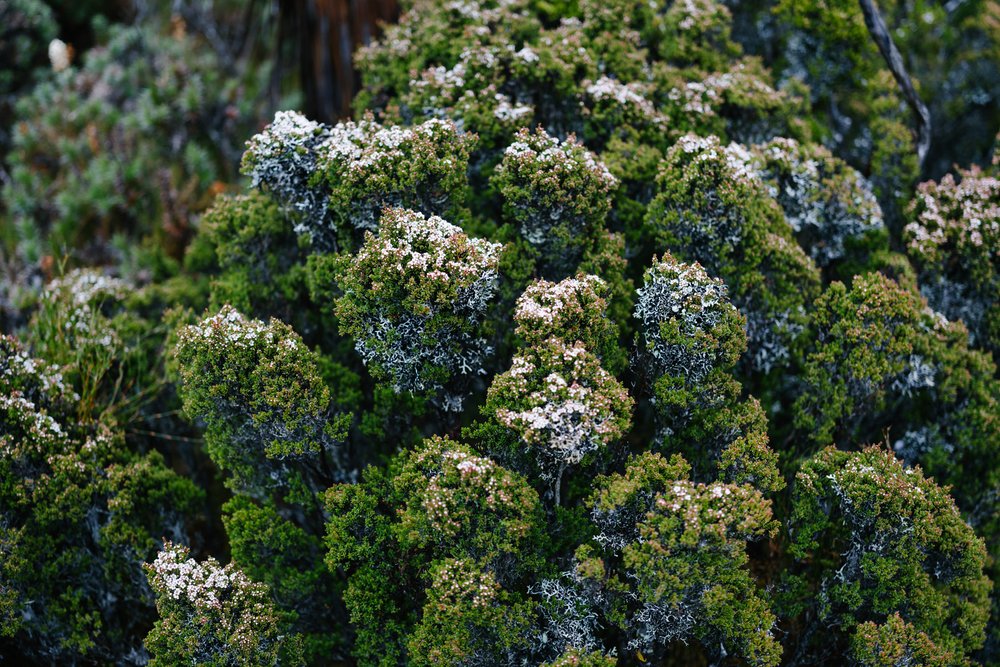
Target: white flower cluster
[(975, 199), (371, 166), (25, 429), (202, 585), (574, 411), (734, 158), (548, 154), (231, 328), (81, 297), (232, 617), (433, 246), (686, 295), (461, 580), (34, 376), (478, 477)]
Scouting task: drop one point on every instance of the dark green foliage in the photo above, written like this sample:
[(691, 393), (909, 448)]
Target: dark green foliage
[(675, 562), (79, 513), (259, 391), (427, 550), (461, 262), (874, 538)]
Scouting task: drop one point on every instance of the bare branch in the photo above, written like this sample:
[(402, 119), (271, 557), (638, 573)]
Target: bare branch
[(880, 33)]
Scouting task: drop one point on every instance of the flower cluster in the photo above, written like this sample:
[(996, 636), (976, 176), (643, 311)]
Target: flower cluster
[(412, 299), (455, 497), (368, 167), (211, 613), (558, 195), (560, 401), (953, 240), (338, 179), (572, 309)]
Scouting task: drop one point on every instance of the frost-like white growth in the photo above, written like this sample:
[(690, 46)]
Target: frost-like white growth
[(693, 303), (917, 375), (282, 158), (569, 607), (825, 201), (424, 286)]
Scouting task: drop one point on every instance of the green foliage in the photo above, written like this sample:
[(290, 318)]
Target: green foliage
[(79, 513), (881, 358), (131, 142), (874, 538), (689, 341), (426, 549), (676, 555), (258, 388), (897, 642)]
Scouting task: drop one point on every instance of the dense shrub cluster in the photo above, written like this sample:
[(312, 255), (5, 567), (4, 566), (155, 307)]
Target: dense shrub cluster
[(577, 347)]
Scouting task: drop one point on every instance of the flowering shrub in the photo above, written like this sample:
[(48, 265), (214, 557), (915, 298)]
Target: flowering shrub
[(257, 387), (557, 193), (79, 512), (412, 299), (338, 179), (953, 240), (514, 369), (681, 548), (560, 402), (213, 614), (712, 208), (448, 517), (689, 340)]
